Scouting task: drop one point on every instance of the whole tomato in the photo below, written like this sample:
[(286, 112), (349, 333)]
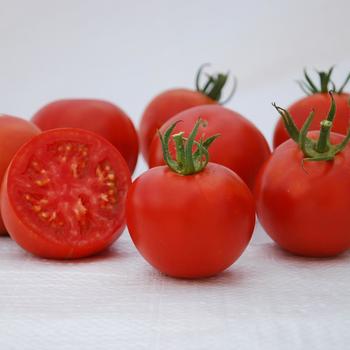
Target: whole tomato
[(317, 100), (63, 195), (190, 218), (14, 132), (241, 146), (101, 117), (302, 191), (171, 102)]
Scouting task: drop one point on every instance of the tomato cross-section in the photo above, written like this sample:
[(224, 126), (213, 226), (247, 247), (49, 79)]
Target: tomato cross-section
[(64, 194)]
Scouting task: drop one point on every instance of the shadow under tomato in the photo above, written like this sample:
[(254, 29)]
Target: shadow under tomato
[(275, 252), (111, 253), (231, 276)]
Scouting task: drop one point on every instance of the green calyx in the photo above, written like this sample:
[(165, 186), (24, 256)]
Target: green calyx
[(187, 162), (214, 85), (326, 83), (314, 150)]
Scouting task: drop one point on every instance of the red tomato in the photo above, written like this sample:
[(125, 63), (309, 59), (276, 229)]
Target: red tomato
[(101, 117), (14, 132), (162, 108), (320, 104), (191, 218), (64, 194), (240, 147), (318, 101), (305, 207), (171, 102), (190, 226)]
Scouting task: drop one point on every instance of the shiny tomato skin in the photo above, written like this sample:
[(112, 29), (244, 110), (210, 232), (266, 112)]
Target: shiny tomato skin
[(306, 211), (80, 226), (320, 103), (190, 226), (101, 117), (240, 146), (14, 132), (163, 107)]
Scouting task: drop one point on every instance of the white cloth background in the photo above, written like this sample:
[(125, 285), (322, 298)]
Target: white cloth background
[(267, 300), (127, 52)]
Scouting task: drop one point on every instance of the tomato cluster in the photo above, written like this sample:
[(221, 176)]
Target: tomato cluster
[(67, 191)]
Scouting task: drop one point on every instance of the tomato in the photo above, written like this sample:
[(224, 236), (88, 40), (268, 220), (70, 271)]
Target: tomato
[(14, 132), (190, 225), (319, 102), (240, 147), (64, 194), (171, 102), (304, 204), (101, 117)]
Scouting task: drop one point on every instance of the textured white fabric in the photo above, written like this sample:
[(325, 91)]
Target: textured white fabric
[(267, 300)]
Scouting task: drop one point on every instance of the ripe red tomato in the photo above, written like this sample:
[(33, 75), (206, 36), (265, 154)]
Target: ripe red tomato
[(162, 108), (190, 225), (319, 102), (171, 102), (14, 132), (101, 117), (303, 200), (240, 147), (64, 194)]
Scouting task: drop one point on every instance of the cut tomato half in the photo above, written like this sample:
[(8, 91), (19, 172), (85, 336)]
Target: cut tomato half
[(64, 194)]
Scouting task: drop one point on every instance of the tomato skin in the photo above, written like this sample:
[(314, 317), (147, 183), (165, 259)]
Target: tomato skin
[(162, 108), (14, 132), (240, 146), (38, 242), (320, 103), (190, 226), (101, 117), (306, 211)]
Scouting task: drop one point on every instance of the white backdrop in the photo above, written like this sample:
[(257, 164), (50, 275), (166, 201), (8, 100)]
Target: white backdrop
[(126, 52)]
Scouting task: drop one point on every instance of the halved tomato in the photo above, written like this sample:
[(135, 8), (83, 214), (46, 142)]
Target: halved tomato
[(63, 195)]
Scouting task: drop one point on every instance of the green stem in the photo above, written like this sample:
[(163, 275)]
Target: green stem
[(187, 162), (323, 140), (314, 150), (180, 150), (214, 85), (325, 83)]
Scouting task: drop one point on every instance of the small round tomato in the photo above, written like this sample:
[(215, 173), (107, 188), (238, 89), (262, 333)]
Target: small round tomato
[(187, 219), (101, 117), (14, 132), (318, 101), (302, 194), (240, 147), (171, 102), (64, 194)]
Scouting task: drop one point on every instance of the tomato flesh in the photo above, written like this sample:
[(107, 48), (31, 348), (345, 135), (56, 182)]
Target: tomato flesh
[(14, 132), (101, 117), (68, 186)]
